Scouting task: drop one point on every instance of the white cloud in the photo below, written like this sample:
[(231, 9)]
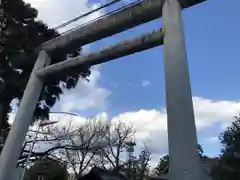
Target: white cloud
[(146, 83), (56, 12), (151, 125), (86, 95), (151, 128), (211, 140), (209, 111), (11, 117), (76, 121)]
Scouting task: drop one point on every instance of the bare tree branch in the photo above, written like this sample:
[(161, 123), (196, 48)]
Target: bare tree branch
[(117, 136)]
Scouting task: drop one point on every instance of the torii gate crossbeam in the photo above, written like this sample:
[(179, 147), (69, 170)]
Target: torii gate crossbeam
[(184, 160), (140, 13)]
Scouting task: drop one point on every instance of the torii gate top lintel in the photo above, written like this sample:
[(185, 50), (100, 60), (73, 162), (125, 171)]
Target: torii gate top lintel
[(139, 13)]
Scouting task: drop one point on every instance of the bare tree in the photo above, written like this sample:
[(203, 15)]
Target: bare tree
[(38, 139), (117, 136), (87, 136), (143, 166), (71, 145)]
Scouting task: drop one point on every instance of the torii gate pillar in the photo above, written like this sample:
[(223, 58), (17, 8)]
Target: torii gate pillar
[(182, 138), (13, 144)]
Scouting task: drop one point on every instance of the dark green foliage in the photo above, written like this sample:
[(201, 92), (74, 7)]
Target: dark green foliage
[(229, 162), (23, 34), (48, 168), (228, 137), (227, 168), (3, 136), (163, 166)]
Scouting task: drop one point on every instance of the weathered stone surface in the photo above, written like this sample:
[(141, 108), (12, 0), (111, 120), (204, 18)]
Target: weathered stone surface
[(121, 49), (122, 20)]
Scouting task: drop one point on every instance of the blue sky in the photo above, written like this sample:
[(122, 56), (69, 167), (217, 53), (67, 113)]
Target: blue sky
[(117, 87), (212, 38), (211, 32)]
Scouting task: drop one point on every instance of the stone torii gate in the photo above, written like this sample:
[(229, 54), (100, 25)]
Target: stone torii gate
[(182, 138)]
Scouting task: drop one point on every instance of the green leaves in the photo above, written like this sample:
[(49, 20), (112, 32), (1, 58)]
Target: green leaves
[(23, 35), (163, 166), (229, 163), (52, 170)]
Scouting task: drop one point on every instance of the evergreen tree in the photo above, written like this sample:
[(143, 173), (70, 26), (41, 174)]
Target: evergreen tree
[(228, 166), (22, 35), (47, 169), (163, 166)]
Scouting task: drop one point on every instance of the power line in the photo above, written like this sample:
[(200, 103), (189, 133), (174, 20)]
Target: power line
[(67, 113), (86, 14), (92, 11), (105, 15)]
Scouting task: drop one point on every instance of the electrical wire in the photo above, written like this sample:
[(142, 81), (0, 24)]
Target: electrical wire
[(105, 15), (93, 20), (67, 113), (86, 14)]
